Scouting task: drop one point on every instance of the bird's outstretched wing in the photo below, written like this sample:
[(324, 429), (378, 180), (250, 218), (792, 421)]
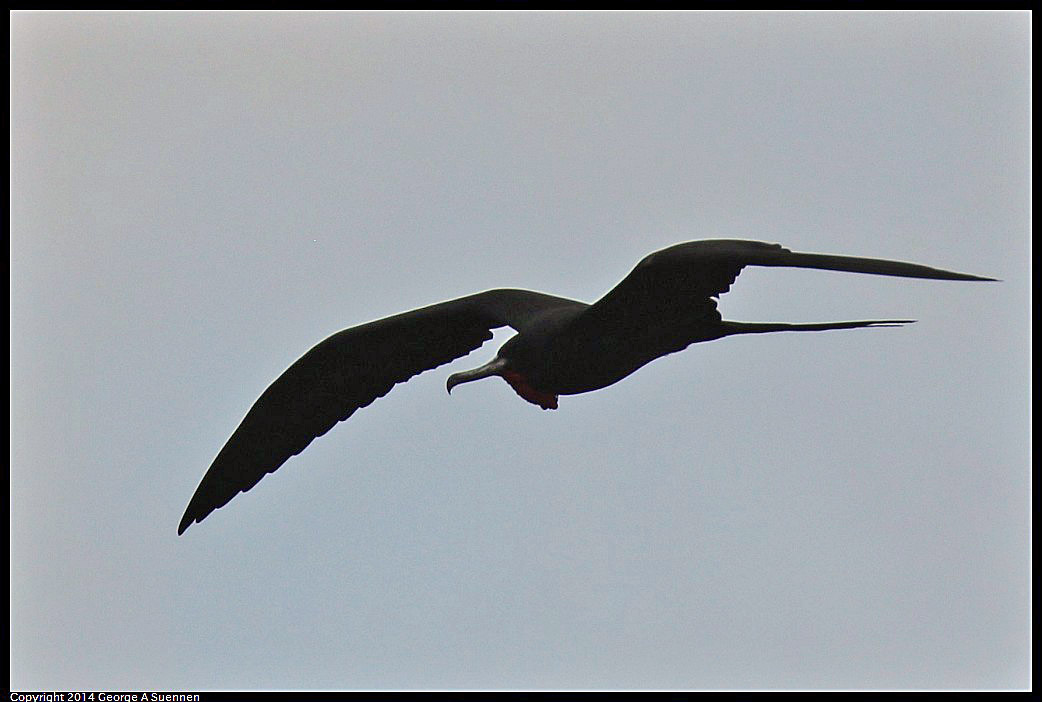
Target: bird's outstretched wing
[(688, 276), (348, 371)]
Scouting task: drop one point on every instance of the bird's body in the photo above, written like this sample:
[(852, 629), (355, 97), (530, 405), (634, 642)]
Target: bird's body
[(563, 347)]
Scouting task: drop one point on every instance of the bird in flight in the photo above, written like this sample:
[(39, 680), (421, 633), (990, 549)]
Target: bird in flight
[(562, 347)]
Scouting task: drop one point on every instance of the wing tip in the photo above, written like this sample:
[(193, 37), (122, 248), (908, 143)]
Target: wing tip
[(194, 514), (186, 521), (971, 277), (890, 323)]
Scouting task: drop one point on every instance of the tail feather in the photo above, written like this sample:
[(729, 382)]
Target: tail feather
[(764, 327)]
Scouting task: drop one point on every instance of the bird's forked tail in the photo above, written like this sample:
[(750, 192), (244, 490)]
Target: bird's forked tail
[(764, 327)]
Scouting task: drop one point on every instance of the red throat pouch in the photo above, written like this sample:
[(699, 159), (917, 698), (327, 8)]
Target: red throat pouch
[(536, 397)]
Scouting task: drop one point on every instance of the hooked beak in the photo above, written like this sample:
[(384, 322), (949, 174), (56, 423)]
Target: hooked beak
[(493, 367)]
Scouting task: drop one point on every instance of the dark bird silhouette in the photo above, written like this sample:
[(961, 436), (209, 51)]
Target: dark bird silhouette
[(562, 347)]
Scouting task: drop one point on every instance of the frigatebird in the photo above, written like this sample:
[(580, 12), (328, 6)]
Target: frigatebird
[(562, 347)]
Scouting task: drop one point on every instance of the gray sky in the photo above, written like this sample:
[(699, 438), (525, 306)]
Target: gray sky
[(197, 199)]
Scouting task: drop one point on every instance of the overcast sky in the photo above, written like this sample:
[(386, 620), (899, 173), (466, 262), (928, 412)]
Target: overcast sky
[(197, 199)]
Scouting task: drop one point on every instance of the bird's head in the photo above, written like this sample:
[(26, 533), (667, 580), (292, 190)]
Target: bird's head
[(506, 366)]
